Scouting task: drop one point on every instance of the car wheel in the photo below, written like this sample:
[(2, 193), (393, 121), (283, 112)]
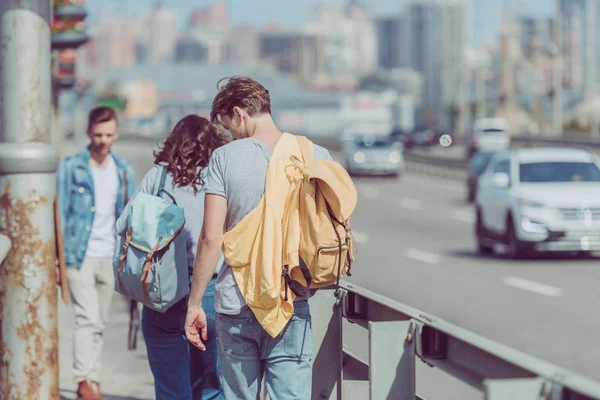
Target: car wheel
[(514, 247), (482, 247)]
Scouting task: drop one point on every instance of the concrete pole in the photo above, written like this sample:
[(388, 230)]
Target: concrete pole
[(557, 100), (28, 162)]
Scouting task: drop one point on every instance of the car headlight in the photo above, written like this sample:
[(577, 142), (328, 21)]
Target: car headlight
[(359, 157), (532, 226), (446, 140), (395, 157), (531, 203)]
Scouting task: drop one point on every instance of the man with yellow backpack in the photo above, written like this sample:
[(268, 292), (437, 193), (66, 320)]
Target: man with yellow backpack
[(278, 207)]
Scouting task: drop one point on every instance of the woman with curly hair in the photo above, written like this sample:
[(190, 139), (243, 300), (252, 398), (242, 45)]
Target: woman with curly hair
[(180, 370)]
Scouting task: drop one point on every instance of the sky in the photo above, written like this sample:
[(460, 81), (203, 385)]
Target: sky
[(483, 21)]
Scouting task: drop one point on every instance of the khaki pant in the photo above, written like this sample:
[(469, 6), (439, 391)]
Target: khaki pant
[(92, 287)]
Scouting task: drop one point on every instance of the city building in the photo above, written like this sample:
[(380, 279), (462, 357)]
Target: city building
[(158, 34), (579, 47), (208, 26), (350, 38), (436, 34), (390, 40), (292, 52), (190, 50), (113, 44), (243, 45)]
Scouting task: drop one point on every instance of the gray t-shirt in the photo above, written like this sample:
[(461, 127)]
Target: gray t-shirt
[(238, 172)]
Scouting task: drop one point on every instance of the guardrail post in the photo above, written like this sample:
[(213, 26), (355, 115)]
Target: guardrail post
[(327, 333), (28, 293), (511, 389), (392, 360)]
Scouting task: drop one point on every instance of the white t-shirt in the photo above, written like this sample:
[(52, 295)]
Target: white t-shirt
[(106, 188)]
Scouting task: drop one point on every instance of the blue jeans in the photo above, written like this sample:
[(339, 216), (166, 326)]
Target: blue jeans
[(248, 353), (180, 370)]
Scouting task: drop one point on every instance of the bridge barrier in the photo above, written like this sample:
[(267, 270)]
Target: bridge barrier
[(399, 335)]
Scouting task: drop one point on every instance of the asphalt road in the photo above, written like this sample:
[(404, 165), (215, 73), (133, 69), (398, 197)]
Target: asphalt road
[(416, 246)]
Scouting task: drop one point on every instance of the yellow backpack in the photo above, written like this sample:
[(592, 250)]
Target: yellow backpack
[(326, 200)]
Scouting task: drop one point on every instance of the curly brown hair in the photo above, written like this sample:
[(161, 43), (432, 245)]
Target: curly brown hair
[(187, 150)]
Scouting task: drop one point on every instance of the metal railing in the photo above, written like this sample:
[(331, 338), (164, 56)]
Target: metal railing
[(399, 334)]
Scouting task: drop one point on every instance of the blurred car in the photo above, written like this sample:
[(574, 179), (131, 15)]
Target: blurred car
[(424, 137), (539, 199), (477, 165), (489, 134), (403, 137), (427, 137), (373, 155)]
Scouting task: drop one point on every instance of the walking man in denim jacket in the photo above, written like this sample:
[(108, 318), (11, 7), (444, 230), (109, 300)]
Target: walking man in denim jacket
[(93, 188)]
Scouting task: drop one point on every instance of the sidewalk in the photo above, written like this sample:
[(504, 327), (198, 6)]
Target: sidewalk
[(125, 374)]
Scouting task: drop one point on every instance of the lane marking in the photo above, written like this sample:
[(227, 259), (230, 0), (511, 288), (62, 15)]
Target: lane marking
[(532, 286), (464, 216), (423, 256), (368, 191), (360, 237), (457, 187), (411, 204)]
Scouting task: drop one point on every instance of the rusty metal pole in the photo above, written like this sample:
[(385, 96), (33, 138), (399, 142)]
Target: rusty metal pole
[(28, 162)]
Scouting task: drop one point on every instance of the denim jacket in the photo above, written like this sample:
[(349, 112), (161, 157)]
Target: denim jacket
[(76, 201)]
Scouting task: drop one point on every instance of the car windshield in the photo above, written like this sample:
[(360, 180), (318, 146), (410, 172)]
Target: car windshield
[(372, 143), (479, 162), (558, 171)]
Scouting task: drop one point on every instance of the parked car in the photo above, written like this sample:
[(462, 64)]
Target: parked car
[(373, 155), (489, 134), (424, 137), (427, 137), (477, 165), (403, 137), (539, 199)]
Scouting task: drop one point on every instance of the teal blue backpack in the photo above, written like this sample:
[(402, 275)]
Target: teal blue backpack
[(150, 262)]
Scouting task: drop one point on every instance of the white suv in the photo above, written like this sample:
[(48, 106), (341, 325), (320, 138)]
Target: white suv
[(539, 199)]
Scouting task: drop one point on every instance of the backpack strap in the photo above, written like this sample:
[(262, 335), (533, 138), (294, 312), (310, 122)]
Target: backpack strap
[(146, 270), (163, 179), (161, 185), (123, 255)]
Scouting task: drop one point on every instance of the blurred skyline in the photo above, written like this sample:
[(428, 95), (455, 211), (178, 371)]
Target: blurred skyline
[(484, 17)]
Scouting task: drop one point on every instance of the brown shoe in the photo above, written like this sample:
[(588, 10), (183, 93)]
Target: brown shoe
[(89, 390)]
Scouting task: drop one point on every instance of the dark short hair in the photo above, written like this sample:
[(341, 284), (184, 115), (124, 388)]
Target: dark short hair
[(243, 92), (100, 115)]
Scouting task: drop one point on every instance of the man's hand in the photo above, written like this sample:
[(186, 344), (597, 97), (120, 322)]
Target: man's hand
[(195, 327)]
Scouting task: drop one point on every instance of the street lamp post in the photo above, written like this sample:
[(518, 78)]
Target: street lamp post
[(28, 162)]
